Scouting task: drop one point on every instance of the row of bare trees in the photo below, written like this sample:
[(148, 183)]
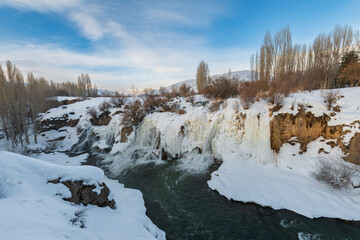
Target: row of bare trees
[(301, 66), (21, 101)]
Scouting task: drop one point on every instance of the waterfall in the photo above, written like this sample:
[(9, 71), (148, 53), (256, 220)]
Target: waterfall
[(201, 136)]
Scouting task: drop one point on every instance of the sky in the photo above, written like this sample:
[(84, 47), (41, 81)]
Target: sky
[(150, 43)]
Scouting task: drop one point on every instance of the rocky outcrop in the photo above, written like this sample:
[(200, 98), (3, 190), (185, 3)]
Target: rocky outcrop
[(125, 132), (81, 193), (304, 126), (103, 119), (353, 150), (57, 123)]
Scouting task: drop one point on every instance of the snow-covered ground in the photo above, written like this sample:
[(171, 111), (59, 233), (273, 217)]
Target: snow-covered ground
[(31, 208)]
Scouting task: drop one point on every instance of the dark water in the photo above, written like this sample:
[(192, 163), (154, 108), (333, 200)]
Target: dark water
[(182, 205)]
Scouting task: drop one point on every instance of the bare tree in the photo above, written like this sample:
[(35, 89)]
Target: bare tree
[(201, 76)]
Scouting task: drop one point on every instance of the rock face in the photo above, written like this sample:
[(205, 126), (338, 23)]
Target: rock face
[(125, 132), (103, 119), (305, 126), (353, 150), (84, 194), (57, 123)]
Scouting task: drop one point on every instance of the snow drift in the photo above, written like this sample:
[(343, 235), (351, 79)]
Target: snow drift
[(31, 208)]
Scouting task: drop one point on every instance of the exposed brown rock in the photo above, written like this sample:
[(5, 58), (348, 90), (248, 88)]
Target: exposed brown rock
[(322, 150), (125, 132), (305, 126), (181, 111), (182, 130), (57, 123), (353, 150), (332, 144), (118, 112), (84, 194), (57, 139), (67, 101), (337, 108), (103, 119)]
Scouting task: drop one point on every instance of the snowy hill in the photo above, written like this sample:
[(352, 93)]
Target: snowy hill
[(241, 75)]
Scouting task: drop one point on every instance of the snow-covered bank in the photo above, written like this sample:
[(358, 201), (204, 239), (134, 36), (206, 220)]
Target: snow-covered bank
[(31, 208), (285, 187)]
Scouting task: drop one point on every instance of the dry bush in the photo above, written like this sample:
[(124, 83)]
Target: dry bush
[(222, 88), (118, 100), (330, 97), (293, 105), (92, 112), (248, 92), (185, 90), (336, 173), (302, 106), (104, 107), (277, 99), (133, 115), (153, 101), (162, 91)]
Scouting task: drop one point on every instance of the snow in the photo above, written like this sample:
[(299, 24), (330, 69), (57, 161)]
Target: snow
[(62, 158), (31, 208), (62, 98), (250, 172), (75, 110)]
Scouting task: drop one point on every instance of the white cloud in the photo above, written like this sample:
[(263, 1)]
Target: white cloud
[(167, 70), (129, 48), (88, 25), (41, 5)]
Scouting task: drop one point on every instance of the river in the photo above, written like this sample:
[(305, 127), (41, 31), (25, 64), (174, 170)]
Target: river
[(181, 204)]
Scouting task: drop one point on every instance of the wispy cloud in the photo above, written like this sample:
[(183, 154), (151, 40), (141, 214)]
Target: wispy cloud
[(138, 40), (42, 5)]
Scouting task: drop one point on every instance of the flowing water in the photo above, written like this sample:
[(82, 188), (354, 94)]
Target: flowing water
[(181, 204)]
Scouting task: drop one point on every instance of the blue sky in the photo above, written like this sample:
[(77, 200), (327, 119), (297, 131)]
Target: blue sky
[(153, 43)]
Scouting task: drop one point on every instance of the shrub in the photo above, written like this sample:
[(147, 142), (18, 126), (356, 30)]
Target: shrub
[(152, 102), (92, 112), (248, 92), (277, 99), (222, 88), (293, 105), (185, 90), (330, 97), (335, 173), (104, 107), (302, 106), (162, 91), (133, 115), (118, 100)]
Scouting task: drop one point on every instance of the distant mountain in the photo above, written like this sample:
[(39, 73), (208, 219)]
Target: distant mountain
[(241, 75)]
